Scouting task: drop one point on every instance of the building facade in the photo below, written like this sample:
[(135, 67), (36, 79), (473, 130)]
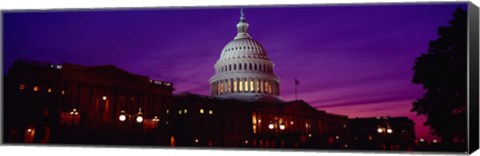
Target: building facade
[(384, 133), (197, 120), (44, 97)]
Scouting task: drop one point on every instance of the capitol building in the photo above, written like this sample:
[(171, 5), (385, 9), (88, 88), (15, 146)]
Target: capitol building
[(244, 71), (75, 104)]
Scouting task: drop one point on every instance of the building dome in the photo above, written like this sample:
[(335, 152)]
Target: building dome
[(244, 71), (243, 48)]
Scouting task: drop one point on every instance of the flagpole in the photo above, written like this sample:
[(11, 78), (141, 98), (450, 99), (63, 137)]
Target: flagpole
[(295, 92), (296, 89)]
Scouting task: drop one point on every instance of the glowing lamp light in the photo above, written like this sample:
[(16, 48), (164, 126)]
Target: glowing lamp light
[(422, 140), (271, 126), (122, 117), (29, 130), (434, 141), (380, 130), (139, 119), (389, 131), (282, 127), (291, 122), (196, 140), (155, 119), (337, 137), (104, 98), (246, 141), (310, 135)]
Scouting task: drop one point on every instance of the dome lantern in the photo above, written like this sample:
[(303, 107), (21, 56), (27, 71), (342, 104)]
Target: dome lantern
[(242, 27)]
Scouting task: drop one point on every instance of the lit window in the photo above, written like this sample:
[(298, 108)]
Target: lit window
[(291, 122), (201, 111), (257, 86), (220, 88), (266, 87), (22, 87), (63, 92), (254, 122), (229, 85), (168, 111), (240, 85), (180, 112), (234, 85), (246, 85), (270, 89), (210, 112), (49, 90), (251, 85), (185, 111), (35, 88)]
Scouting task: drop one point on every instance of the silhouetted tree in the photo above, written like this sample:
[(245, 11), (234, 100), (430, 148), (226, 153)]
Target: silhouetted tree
[(443, 73)]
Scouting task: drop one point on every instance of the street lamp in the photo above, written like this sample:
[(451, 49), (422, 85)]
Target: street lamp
[(138, 117), (277, 125), (384, 131), (122, 116), (74, 112)]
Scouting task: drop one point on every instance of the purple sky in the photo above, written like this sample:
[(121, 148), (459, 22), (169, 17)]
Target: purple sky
[(351, 60)]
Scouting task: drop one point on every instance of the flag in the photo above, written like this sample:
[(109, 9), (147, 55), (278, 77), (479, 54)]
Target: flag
[(296, 82)]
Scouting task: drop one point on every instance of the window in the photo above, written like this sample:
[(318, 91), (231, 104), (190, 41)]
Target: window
[(246, 85), (201, 111), (49, 90), (240, 85), (266, 87), (239, 66), (35, 88), (234, 85), (255, 67), (234, 66), (180, 112), (185, 111), (63, 92), (251, 85), (22, 87), (257, 86), (210, 112), (168, 111), (229, 85), (270, 89)]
